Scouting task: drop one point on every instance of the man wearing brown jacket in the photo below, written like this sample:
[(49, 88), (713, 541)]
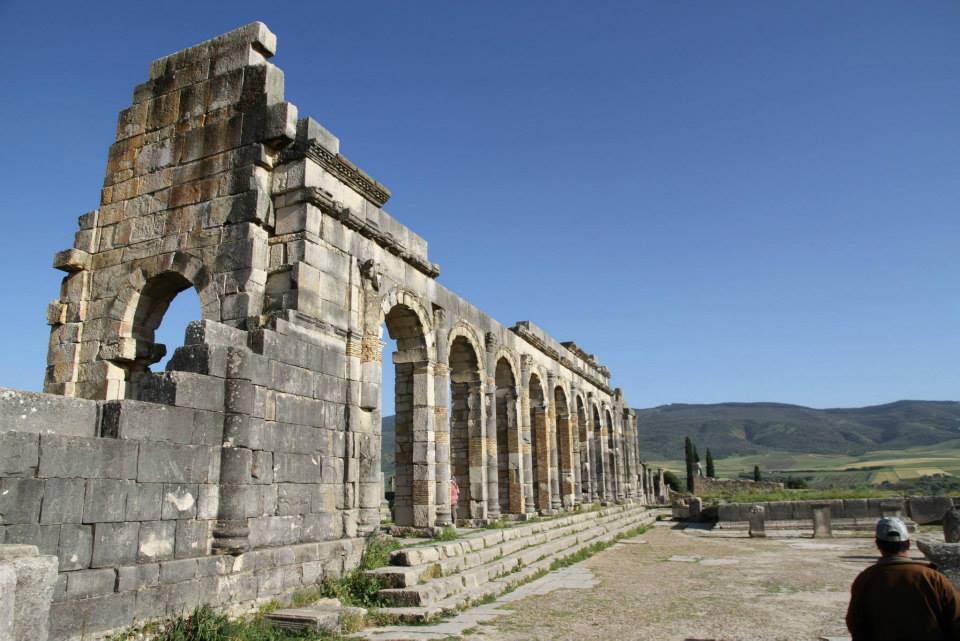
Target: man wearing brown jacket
[(900, 598)]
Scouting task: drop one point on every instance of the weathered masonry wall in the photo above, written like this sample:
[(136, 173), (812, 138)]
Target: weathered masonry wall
[(252, 465)]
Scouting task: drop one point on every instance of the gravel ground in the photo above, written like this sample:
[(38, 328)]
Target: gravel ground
[(694, 585)]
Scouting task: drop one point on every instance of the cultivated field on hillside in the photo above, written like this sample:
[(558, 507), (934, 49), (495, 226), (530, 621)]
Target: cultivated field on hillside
[(840, 470)]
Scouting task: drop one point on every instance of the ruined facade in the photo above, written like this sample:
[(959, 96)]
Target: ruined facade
[(258, 450)]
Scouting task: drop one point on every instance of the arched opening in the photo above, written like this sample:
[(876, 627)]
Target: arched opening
[(584, 436), (598, 462), (404, 327), (152, 305), (466, 461), (611, 468), (181, 311), (508, 440), (539, 444), (564, 454)]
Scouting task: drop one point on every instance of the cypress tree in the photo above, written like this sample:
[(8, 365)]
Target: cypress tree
[(711, 471), (688, 455), (696, 455), (756, 473)]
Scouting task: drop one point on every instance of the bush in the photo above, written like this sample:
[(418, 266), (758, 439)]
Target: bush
[(672, 480)]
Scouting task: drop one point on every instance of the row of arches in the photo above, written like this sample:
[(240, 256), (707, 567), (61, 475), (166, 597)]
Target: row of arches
[(516, 439)]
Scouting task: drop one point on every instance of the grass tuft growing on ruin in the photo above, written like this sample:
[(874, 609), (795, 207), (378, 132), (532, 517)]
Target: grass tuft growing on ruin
[(204, 624), (448, 533)]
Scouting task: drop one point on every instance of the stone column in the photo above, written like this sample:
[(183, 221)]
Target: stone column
[(822, 527), (757, 521), (441, 383), (517, 473), (237, 458), (477, 453), (575, 444), (424, 447), (553, 427), (493, 475), (526, 429)]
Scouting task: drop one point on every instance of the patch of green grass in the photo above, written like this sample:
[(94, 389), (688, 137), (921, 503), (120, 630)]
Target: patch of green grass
[(377, 552), (356, 588), (448, 533), (498, 524), (203, 624)]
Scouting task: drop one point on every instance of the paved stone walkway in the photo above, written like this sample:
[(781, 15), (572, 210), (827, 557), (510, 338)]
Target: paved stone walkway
[(672, 584)]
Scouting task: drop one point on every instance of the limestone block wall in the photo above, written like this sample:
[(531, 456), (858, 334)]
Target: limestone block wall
[(703, 484)]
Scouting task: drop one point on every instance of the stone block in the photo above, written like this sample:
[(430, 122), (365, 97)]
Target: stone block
[(84, 583), (183, 389), (8, 587), (144, 502), (73, 457), (208, 502), (178, 571), (322, 527), (19, 453), (926, 510), (193, 539), (36, 579), (44, 413), (211, 332), (293, 498), (108, 613), (76, 547), (856, 508), (210, 360), (296, 468), (63, 501), (275, 530), (20, 500), (138, 577), (176, 463), (179, 502), (105, 501), (115, 544), (45, 537), (136, 420), (157, 541)]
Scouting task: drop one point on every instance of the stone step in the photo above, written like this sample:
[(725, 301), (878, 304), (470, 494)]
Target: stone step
[(323, 616), (474, 542), (406, 576), (499, 585), (440, 588)]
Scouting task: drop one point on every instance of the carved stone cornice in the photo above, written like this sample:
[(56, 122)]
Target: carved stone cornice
[(323, 201), (537, 342), (338, 165)]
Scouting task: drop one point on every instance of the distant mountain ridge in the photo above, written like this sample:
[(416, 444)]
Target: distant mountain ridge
[(731, 429)]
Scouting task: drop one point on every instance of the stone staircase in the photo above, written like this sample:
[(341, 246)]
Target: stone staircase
[(426, 580)]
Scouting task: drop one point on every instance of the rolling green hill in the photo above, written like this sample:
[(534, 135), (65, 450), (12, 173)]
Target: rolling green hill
[(743, 429)]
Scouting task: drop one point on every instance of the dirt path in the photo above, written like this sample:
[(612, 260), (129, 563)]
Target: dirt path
[(673, 584), (687, 585)]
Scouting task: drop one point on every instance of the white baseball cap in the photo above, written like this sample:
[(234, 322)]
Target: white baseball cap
[(892, 529)]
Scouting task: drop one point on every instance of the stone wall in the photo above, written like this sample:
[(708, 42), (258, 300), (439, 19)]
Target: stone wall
[(923, 510), (705, 485), (251, 467)]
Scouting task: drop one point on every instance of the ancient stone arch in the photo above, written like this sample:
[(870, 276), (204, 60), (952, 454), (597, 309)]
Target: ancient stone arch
[(269, 415), (563, 453)]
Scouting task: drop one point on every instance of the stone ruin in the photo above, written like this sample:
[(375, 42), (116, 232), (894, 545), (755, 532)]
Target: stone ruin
[(251, 466)]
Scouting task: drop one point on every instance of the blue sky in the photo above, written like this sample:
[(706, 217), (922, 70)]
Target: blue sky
[(724, 201)]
